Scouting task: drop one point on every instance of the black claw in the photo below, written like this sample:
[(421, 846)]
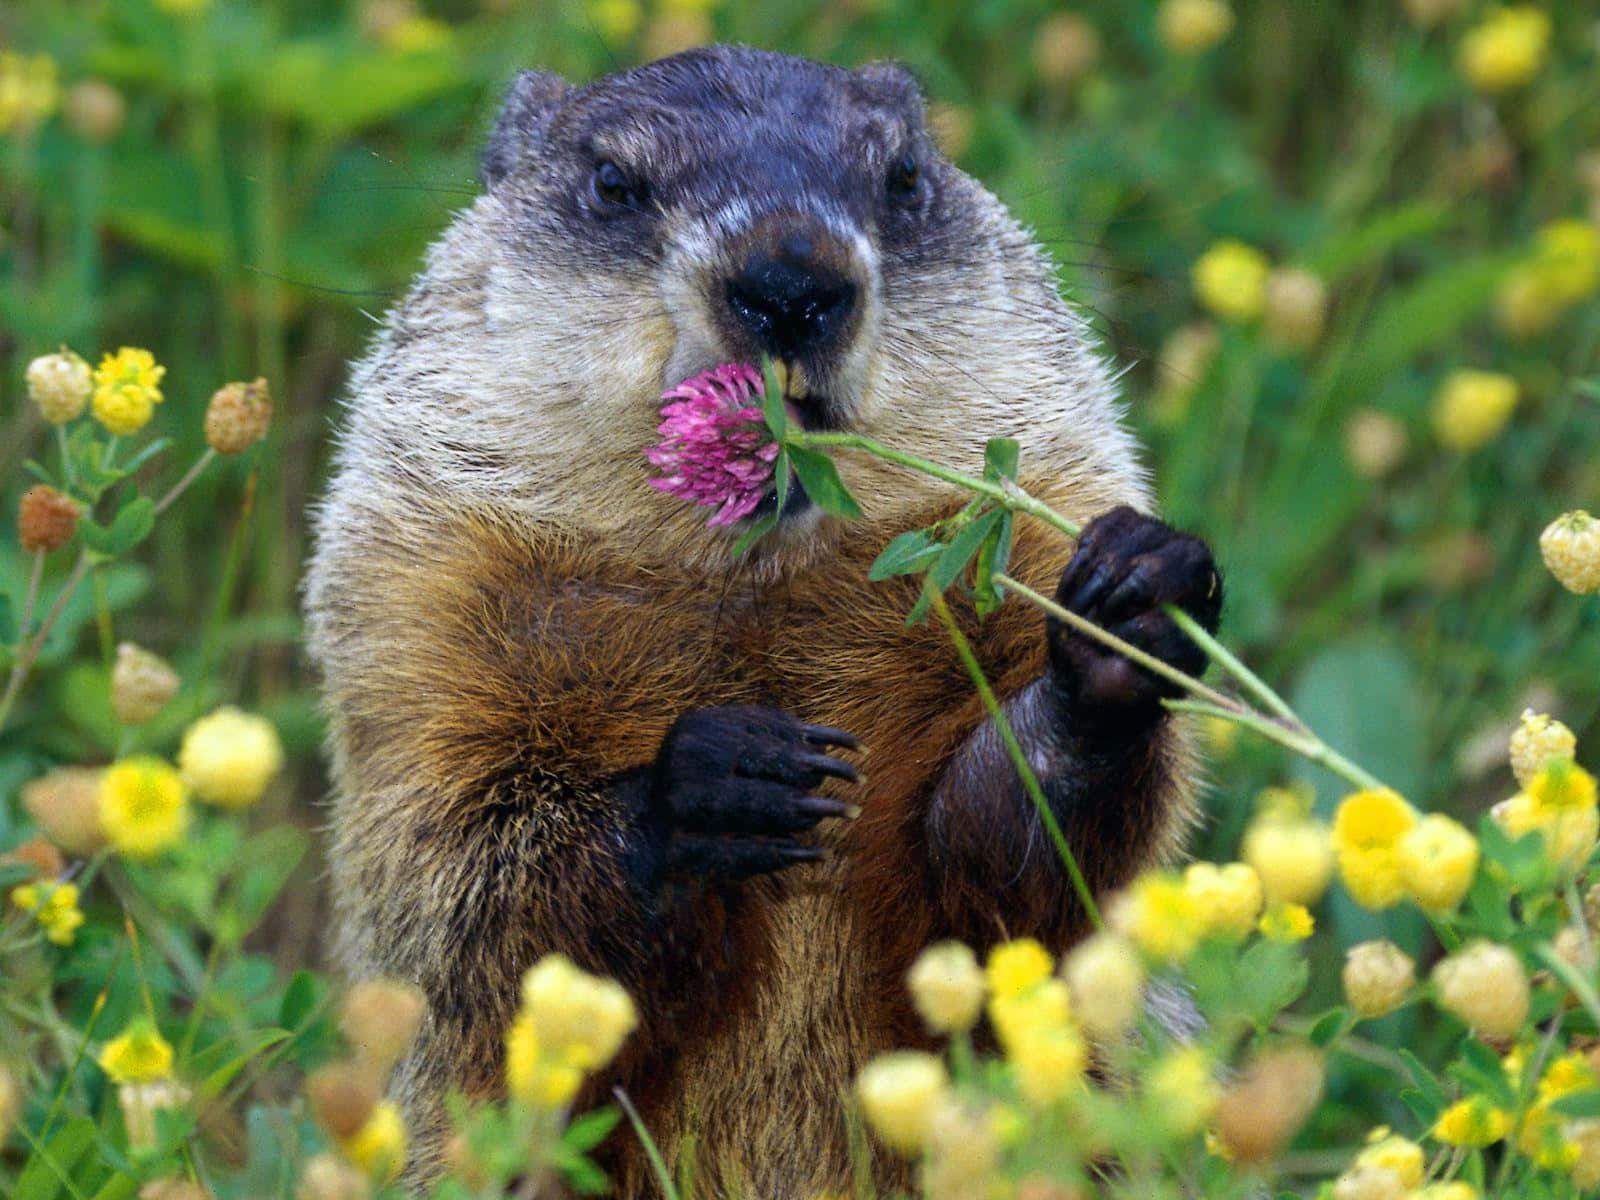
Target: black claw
[(830, 766), (826, 735)]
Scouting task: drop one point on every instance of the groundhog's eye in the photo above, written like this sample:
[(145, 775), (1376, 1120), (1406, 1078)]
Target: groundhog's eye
[(904, 178), (614, 188)]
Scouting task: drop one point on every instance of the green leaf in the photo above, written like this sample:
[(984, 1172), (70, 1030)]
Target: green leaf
[(910, 552), (51, 1165), (128, 528), (8, 622), (1327, 1027), (1481, 1070), (255, 1045), (755, 533), (588, 1131), (772, 401), (821, 480), (39, 471), (1362, 697), (1426, 1082), (1578, 1104), (145, 454), (961, 549), (1000, 457), (993, 557), (270, 858), (301, 999)]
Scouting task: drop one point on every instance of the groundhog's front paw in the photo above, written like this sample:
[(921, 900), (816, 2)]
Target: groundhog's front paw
[(731, 787), (1126, 568)]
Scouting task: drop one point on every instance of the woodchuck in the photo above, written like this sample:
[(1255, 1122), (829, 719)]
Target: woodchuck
[(564, 715)]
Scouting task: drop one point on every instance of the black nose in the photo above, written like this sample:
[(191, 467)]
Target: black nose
[(790, 307)]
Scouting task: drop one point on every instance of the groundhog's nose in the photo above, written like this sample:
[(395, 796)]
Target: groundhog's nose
[(789, 303)]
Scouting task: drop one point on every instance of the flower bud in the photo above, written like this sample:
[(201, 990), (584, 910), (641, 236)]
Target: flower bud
[(1506, 50), (329, 1177), (229, 757), (238, 416), (141, 684), (46, 519), (1106, 980), (1573, 947), (1584, 1134), (1474, 1121), (65, 804), (1394, 1153), (379, 1018), (94, 110), (1293, 857), (1192, 26), (59, 385), (343, 1096), (1369, 1183), (1485, 987), (1064, 48), (899, 1093), (1537, 739), (1471, 408), (1437, 860), (947, 987), (963, 1153), (1266, 1106), (1377, 977), (1375, 443), (1230, 279), (140, 1102), (1297, 307), (1570, 546)]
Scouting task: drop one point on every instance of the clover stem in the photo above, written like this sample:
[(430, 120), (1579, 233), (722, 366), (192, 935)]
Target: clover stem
[(189, 476), (1307, 745), (1030, 781), (30, 647)]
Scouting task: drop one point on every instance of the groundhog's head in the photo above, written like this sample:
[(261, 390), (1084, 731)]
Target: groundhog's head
[(711, 207)]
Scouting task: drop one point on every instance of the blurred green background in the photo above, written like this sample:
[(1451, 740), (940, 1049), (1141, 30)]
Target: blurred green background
[(243, 188)]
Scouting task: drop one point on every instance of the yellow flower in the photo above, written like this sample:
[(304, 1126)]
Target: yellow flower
[(1043, 1008), (1526, 304), (580, 1019), (1570, 547), (1231, 280), (1485, 986), (616, 20), (1537, 739), (1438, 859), (379, 1146), (1292, 856), (1566, 256), (416, 34), (1192, 26), (1506, 50), (1226, 899), (143, 807), (899, 1093), (28, 91), (1394, 1153), (1472, 1122), (1106, 980), (1541, 1139), (1158, 916), (1569, 834), (1287, 923), (1562, 785), (1456, 1189), (1366, 830), (229, 757), (1584, 1137), (1015, 966), (183, 8), (947, 987), (1377, 977), (533, 1078), (1182, 1090), (1472, 407), (127, 387), (1049, 1065), (54, 906), (138, 1055)]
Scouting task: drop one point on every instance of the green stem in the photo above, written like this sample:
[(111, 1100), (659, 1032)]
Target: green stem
[(30, 650), (1307, 745), (1222, 655), (66, 458), (102, 617), (657, 1163), (1030, 782), (189, 476)]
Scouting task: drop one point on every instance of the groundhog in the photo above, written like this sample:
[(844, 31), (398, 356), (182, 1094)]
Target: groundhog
[(566, 716)]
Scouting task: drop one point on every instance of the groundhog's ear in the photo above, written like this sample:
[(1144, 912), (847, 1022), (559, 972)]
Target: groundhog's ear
[(519, 129), (890, 85)]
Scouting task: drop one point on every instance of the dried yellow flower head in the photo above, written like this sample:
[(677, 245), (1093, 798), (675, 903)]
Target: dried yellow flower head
[(65, 804), (1437, 858), (1570, 547), (1266, 1105), (1375, 443), (1506, 50), (127, 387), (1377, 977), (1192, 26), (173, 1187), (947, 987), (1471, 408), (1485, 986), (379, 1018), (59, 385), (95, 110), (1296, 307), (1065, 47), (1366, 832), (1231, 280), (141, 1102), (1226, 899), (229, 757), (144, 808), (672, 32), (1537, 739), (379, 1146), (46, 519), (899, 1094), (138, 1055), (141, 684), (1106, 980), (238, 416), (1526, 305), (342, 1096), (38, 855)]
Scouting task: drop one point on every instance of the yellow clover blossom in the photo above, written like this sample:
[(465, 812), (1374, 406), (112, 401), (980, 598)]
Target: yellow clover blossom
[(580, 1018), (1048, 1065), (28, 91), (1455, 1189), (143, 806), (138, 1055), (1485, 987), (1471, 408), (1015, 966), (1537, 739), (1286, 923), (1292, 856), (1192, 26), (616, 20), (946, 986), (379, 1146), (899, 1094), (1570, 547), (1366, 831), (1567, 258), (1157, 914), (229, 757), (1231, 280), (1391, 1152), (1438, 858), (127, 387), (1182, 1089), (1226, 899), (1474, 1121), (1506, 50), (533, 1078), (1040, 1009), (1106, 980), (54, 906), (1584, 1136)]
